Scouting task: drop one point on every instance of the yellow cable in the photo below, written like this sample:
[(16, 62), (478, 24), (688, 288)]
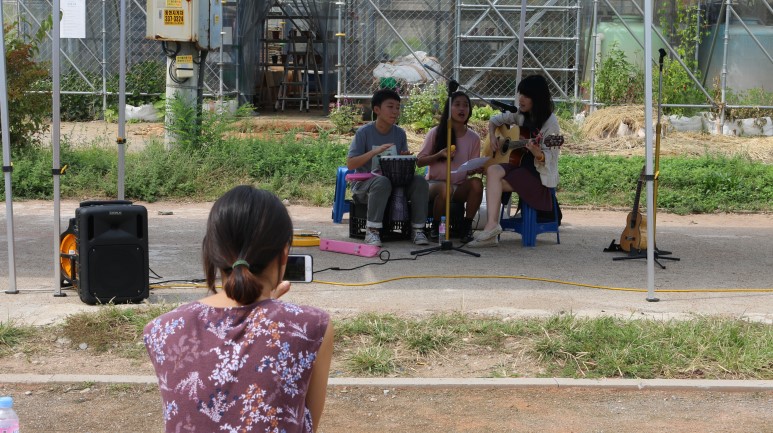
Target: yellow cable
[(506, 277), (547, 280)]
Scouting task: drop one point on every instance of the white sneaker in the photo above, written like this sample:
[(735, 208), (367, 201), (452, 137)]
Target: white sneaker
[(419, 238), (372, 237), (490, 242)]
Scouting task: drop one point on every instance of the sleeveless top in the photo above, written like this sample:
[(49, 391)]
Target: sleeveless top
[(236, 369)]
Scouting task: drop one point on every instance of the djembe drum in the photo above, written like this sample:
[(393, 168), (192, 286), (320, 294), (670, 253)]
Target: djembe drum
[(399, 169)]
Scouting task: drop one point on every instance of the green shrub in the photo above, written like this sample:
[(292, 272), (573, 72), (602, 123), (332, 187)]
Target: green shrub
[(618, 81), (423, 106), (194, 130), (27, 112), (483, 112), (344, 118)]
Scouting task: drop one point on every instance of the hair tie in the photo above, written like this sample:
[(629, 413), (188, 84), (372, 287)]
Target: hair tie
[(240, 262)]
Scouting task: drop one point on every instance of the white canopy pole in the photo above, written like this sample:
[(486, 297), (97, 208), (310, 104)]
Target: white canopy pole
[(4, 124), (55, 133), (521, 31), (121, 140), (648, 127)]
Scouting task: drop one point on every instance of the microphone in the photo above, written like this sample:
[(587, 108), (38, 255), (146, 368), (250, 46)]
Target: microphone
[(453, 86)]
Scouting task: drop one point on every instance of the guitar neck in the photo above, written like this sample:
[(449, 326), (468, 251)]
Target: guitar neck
[(638, 196)]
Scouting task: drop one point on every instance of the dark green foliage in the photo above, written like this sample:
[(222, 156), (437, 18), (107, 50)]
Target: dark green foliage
[(27, 112), (687, 185)]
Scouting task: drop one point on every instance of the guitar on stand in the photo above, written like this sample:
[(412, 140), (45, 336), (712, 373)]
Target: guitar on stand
[(634, 239), (634, 236)]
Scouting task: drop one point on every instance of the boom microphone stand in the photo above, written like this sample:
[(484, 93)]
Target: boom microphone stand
[(659, 254), (447, 244)]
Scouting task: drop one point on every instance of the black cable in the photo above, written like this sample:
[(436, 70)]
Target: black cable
[(192, 281), (384, 256), (155, 275)]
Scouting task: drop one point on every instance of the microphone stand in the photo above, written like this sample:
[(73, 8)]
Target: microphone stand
[(446, 244)]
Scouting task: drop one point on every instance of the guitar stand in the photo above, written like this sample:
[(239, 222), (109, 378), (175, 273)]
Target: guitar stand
[(642, 254), (444, 246)]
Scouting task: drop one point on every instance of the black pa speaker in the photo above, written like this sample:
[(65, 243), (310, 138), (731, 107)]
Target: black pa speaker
[(112, 245)]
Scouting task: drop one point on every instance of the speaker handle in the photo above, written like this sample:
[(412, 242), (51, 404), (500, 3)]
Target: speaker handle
[(103, 202)]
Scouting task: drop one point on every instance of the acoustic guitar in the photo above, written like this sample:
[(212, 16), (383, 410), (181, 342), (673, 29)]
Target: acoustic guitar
[(634, 236), (512, 148)]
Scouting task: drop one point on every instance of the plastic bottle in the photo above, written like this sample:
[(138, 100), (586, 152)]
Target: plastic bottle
[(9, 421), (442, 230)]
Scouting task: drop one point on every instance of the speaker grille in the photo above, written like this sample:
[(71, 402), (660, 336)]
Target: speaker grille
[(117, 271)]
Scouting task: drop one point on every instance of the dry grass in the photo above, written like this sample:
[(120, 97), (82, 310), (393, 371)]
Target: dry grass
[(599, 134)]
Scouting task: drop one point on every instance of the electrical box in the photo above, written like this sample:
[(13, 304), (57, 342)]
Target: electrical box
[(197, 21)]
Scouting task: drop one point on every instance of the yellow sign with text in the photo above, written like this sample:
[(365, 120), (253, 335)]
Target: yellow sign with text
[(174, 3), (174, 17), (181, 60)]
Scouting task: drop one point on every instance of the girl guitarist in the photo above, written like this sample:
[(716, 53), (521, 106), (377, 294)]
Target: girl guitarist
[(537, 170)]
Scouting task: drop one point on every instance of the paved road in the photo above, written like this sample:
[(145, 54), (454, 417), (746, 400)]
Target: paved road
[(726, 252)]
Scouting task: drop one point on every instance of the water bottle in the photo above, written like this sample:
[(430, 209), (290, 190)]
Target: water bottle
[(442, 230), (9, 421)]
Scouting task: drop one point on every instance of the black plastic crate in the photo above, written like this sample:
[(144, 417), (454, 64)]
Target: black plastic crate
[(392, 230)]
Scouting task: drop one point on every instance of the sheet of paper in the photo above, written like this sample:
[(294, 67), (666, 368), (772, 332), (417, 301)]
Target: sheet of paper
[(471, 164), (73, 24)]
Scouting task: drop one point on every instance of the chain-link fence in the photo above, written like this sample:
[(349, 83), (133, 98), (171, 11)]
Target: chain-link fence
[(473, 41), (89, 66)]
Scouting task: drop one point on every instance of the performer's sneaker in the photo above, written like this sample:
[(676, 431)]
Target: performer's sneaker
[(419, 238), (489, 234), (491, 242), (372, 237)]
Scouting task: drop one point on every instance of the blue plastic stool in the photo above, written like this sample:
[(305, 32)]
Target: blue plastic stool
[(340, 203), (526, 223)]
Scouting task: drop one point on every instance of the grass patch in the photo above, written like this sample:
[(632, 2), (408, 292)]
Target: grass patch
[(567, 346), (372, 360), (687, 185), (12, 335), (112, 329), (562, 345), (302, 167)]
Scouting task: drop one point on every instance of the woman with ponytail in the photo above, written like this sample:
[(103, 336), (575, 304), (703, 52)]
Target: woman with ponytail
[(239, 359)]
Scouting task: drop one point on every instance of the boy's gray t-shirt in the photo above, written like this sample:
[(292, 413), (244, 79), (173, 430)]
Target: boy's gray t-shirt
[(368, 137)]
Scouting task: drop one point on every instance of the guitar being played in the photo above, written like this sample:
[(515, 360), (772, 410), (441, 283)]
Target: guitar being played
[(512, 147)]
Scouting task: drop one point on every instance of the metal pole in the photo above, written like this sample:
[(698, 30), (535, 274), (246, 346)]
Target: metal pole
[(577, 51), (55, 133), (220, 91), (521, 31), (121, 140), (723, 75), (594, 29), (339, 60), (648, 139), (104, 60), (4, 124), (458, 40)]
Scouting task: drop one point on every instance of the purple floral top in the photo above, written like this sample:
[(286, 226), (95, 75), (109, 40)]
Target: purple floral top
[(239, 369)]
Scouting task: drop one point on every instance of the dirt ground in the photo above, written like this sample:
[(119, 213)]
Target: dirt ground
[(88, 407)]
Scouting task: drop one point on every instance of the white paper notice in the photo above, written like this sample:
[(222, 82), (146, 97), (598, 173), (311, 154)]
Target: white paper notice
[(472, 164), (73, 24)]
